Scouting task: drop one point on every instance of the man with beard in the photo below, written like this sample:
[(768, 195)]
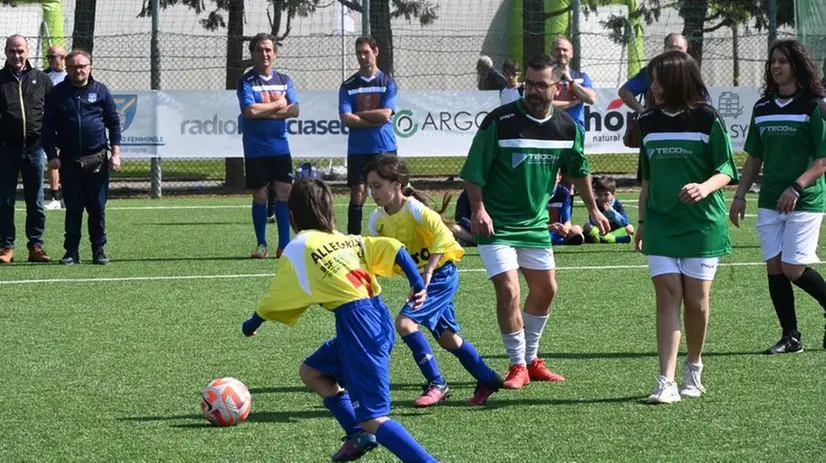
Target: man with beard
[(509, 176), (366, 102)]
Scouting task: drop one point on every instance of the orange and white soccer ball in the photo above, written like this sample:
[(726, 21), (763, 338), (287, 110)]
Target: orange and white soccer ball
[(226, 402)]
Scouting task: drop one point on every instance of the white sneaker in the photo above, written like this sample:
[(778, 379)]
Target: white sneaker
[(665, 393), (692, 387), (54, 204)]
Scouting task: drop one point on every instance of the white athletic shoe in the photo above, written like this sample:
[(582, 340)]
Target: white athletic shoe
[(692, 387), (665, 393), (54, 204)]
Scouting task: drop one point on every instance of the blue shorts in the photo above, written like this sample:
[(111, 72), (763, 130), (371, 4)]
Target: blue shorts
[(359, 355), (438, 314)]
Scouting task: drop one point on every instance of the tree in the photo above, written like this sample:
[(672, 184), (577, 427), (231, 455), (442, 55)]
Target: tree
[(380, 28), (699, 17)]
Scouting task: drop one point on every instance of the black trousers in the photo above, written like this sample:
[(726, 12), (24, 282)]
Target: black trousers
[(83, 190)]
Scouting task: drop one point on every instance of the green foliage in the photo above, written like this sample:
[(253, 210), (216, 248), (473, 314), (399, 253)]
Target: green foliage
[(721, 13)]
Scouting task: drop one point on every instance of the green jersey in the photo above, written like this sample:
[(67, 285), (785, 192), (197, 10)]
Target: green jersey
[(788, 137), (515, 158), (687, 147)]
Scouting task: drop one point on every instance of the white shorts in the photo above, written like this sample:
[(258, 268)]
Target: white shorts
[(699, 268), (793, 236), (501, 258)]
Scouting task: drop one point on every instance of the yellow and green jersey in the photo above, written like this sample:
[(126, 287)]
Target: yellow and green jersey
[(420, 229), (678, 149), (788, 137), (515, 158), (329, 269)]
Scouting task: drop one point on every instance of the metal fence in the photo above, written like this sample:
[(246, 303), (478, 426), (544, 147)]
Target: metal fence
[(317, 54)]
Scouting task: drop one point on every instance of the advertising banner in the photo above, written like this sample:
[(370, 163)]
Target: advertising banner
[(206, 124)]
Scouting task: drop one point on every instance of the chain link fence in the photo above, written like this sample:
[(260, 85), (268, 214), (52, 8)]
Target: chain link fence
[(317, 54)]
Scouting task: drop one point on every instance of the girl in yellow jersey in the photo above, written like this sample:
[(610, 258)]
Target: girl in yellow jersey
[(434, 249), (322, 266)]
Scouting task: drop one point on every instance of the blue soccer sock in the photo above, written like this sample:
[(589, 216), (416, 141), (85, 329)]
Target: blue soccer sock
[(354, 220), (270, 201), (395, 438), (342, 409), (259, 222), (473, 363), (282, 218), (624, 239), (423, 355)]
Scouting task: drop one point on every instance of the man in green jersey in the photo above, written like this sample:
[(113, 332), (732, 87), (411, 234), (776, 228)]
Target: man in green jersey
[(509, 176), (787, 137)]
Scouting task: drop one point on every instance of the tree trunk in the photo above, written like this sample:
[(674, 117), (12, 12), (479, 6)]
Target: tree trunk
[(381, 30), (533, 23), (694, 13), (83, 35), (234, 167)]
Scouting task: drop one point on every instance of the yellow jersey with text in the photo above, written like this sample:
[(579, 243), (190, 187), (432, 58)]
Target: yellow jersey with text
[(420, 229), (329, 269)]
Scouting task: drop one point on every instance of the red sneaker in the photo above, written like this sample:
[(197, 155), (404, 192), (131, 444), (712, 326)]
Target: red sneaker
[(517, 377), (485, 390), (539, 372), (434, 394)]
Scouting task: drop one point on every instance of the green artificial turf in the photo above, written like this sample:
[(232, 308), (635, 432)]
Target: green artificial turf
[(106, 363)]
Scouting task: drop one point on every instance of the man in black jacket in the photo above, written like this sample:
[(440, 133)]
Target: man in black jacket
[(79, 112), (23, 92)]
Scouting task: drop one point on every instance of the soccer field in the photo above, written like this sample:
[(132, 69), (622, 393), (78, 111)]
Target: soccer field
[(106, 363)]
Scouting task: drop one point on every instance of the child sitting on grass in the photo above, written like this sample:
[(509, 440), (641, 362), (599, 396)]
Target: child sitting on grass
[(612, 208), (560, 209)]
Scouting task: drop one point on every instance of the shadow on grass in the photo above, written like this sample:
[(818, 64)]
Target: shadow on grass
[(184, 259), (619, 355), (393, 387), (189, 224)]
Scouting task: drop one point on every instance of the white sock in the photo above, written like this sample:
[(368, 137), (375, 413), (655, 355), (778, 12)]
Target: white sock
[(534, 326), (515, 346)]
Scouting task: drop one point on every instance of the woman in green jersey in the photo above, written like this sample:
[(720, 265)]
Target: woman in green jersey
[(787, 137), (685, 160)]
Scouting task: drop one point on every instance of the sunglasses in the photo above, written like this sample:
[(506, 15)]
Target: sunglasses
[(54, 56)]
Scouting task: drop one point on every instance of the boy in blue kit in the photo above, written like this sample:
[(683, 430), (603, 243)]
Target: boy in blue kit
[(267, 99), (614, 211), (560, 209), (404, 215), (322, 266)]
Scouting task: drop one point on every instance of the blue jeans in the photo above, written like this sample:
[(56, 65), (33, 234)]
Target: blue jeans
[(29, 163)]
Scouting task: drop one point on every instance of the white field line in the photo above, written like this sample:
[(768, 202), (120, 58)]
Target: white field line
[(269, 275)]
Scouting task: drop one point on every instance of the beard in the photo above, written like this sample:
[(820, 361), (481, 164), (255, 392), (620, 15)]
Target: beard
[(536, 104)]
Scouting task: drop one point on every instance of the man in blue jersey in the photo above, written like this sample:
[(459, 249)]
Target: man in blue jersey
[(640, 83), (576, 88), (367, 102), (267, 99)]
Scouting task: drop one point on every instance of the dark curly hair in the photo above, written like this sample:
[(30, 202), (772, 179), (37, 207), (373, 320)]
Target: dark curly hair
[(802, 66)]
